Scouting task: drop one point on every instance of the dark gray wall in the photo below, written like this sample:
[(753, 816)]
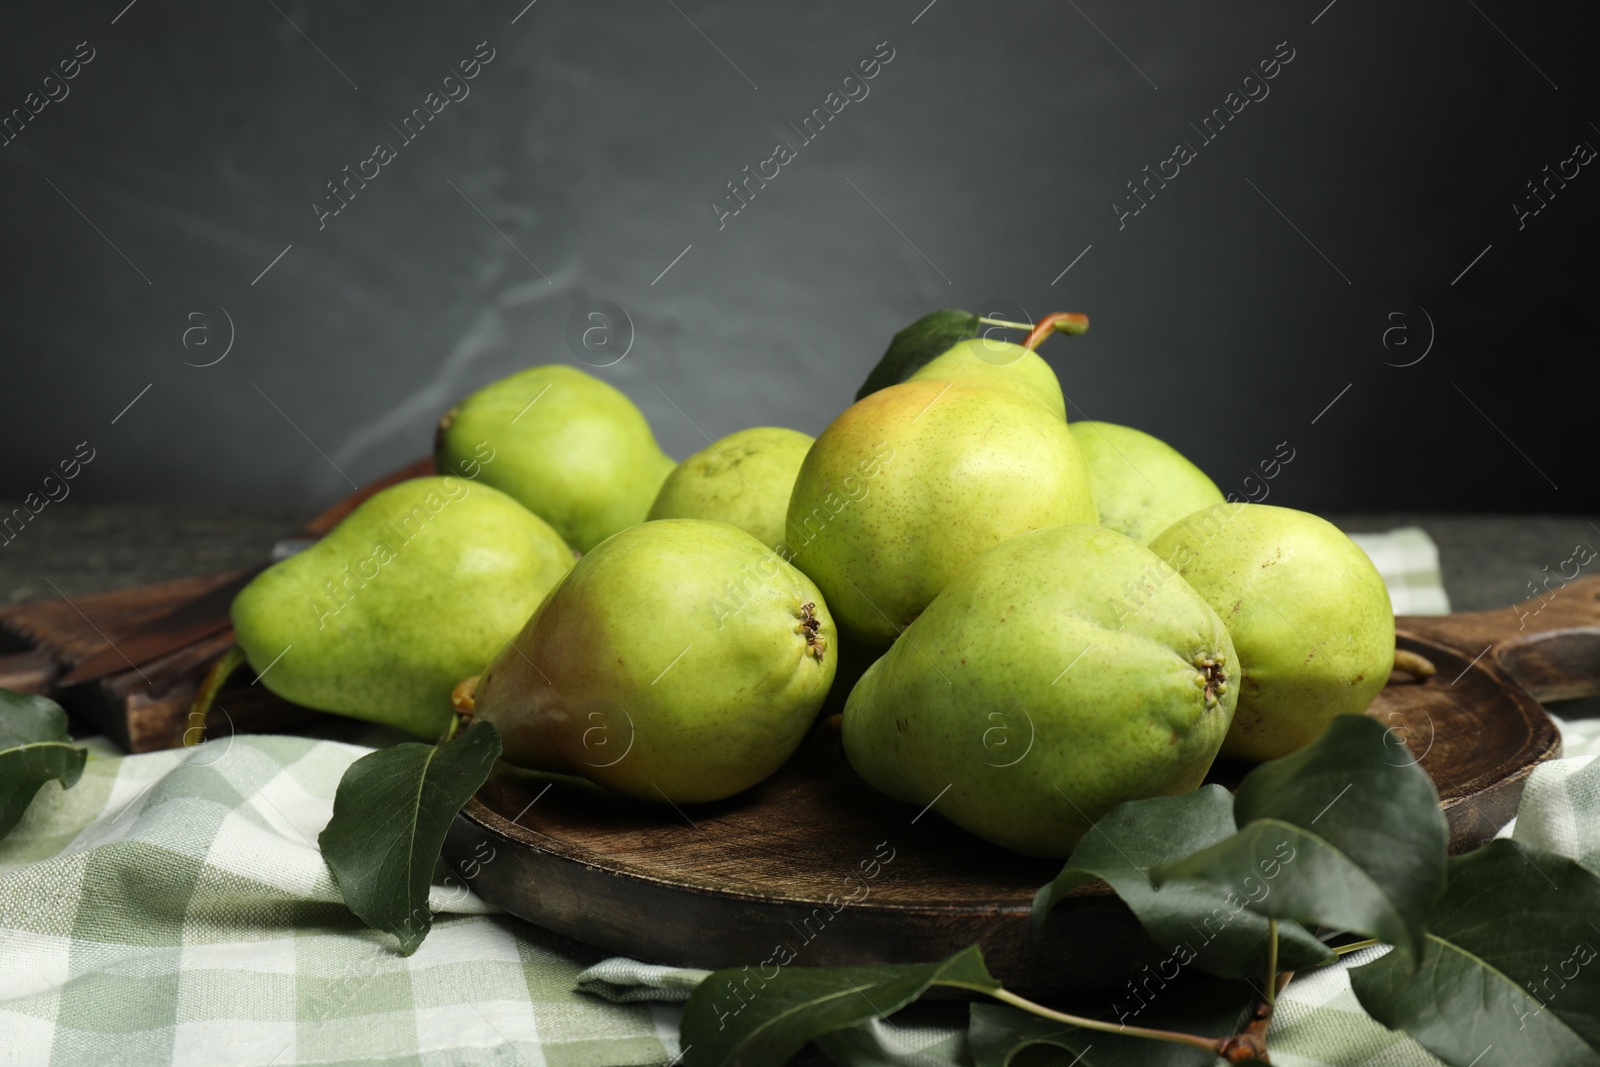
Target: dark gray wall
[(986, 158)]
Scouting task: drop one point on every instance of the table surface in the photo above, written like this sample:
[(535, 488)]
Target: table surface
[(1487, 561)]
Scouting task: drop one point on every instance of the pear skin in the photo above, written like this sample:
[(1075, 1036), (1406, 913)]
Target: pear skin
[(1065, 671), (416, 588), (1309, 614), (567, 446), (913, 482), (744, 480), (680, 661), (990, 361), (1142, 485)]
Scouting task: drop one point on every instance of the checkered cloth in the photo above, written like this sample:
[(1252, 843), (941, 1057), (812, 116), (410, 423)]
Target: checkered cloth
[(173, 908), (1409, 562)]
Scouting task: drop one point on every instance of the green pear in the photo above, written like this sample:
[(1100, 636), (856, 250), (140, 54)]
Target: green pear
[(1065, 671), (990, 361), (913, 482), (744, 480), (682, 661), (1142, 485), (1309, 614), (570, 448), (416, 588)]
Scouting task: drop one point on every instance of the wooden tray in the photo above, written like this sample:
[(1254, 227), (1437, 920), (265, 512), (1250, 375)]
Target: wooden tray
[(730, 883)]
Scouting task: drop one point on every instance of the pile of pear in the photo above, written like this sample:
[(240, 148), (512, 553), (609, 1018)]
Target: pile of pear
[(1036, 620)]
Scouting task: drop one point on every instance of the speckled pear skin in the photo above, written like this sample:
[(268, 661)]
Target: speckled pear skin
[(1309, 614), (912, 483), (988, 361), (744, 480), (1142, 485), (415, 589), (1065, 671), (681, 660), (567, 446)]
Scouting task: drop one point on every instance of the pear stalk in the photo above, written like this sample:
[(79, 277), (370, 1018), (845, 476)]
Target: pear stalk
[(211, 684), (1418, 666), (1073, 322)]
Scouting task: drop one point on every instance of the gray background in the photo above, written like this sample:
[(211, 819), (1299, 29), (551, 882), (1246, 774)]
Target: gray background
[(1227, 315)]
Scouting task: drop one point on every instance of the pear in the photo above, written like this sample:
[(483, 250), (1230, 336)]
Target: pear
[(417, 587), (682, 661), (567, 446), (744, 480), (913, 482), (1142, 485), (1309, 614), (989, 361), (1065, 671)]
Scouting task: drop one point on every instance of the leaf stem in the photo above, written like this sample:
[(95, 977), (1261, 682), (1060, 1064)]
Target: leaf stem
[(1356, 946), (1272, 961), (1007, 325), (1193, 1041)]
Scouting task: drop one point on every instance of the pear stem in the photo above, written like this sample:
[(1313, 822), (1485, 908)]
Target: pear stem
[(1411, 663), (1073, 322), (211, 684), (463, 698)]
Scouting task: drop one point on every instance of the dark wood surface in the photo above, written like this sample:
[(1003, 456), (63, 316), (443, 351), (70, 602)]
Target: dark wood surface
[(725, 884), (135, 696)]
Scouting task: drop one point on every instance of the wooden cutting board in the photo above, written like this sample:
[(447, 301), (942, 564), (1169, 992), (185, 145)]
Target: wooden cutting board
[(815, 862)]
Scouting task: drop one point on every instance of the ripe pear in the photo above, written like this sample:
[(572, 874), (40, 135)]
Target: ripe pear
[(1065, 671), (682, 660), (417, 587), (990, 361), (567, 446), (744, 480), (913, 482), (1142, 485), (1309, 614)]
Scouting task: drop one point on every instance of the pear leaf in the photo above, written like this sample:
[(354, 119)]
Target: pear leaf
[(390, 815), (998, 1034), (1511, 961), (918, 345), (1193, 922), (740, 1018), (1356, 839), (34, 749)]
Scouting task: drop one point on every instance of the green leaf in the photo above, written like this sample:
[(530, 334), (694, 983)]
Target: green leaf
[(998, 1034), (1512, 961), (919, 344), (741, 1018), (1352, 841), (390, 815), (34, 749), (1193, 922)]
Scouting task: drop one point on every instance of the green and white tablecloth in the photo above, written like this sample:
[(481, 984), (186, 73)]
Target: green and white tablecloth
[(173, 908)]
